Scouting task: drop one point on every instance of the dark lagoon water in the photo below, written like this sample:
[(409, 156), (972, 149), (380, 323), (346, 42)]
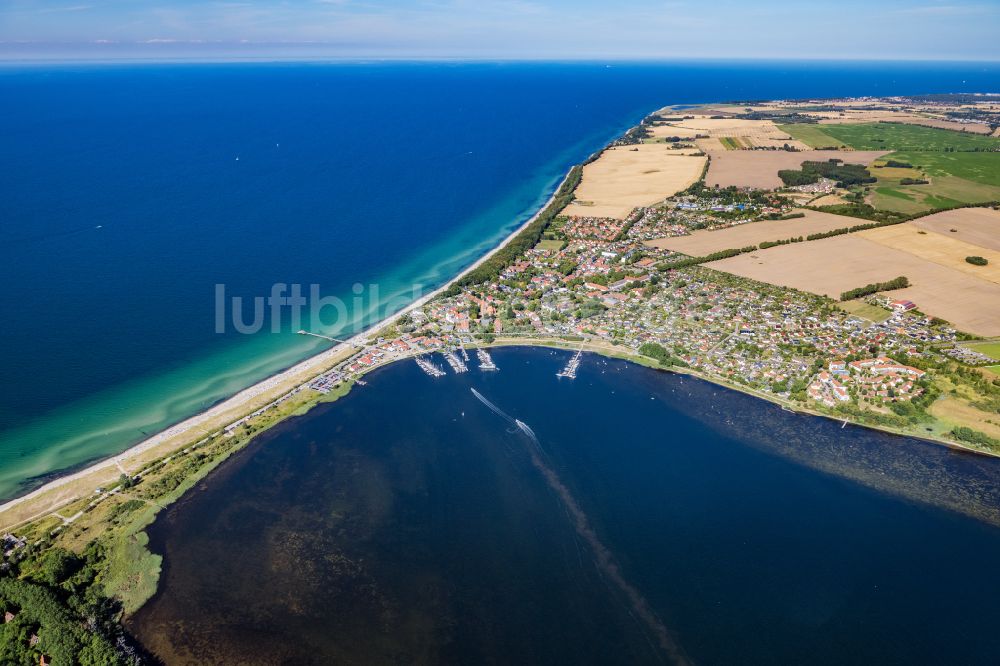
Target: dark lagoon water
[(123, 204), (641, 517)]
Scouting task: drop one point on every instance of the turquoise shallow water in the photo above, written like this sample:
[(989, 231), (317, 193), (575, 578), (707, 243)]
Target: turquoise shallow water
[(123, 205)]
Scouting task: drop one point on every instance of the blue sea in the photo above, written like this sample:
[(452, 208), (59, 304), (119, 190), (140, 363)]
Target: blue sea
[(128, 192)]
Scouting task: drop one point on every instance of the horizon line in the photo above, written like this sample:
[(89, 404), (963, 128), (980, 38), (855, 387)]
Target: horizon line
[(377, 59)]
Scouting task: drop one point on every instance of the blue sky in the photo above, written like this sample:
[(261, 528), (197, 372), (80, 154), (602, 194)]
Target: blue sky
[(505, 29)]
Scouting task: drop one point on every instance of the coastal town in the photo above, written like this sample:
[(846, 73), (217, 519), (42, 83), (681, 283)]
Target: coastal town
[(782, 342), (612, 284), (770, 342)]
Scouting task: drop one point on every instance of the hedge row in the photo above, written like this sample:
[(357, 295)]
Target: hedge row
[(725, 254), (849, 230), (897, 283), (715, 256)]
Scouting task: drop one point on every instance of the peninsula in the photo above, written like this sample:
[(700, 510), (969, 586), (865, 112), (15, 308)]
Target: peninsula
[(839, 257)]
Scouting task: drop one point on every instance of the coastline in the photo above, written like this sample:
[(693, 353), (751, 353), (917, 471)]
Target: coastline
[(130, 541), (66, 488), (140, 541), (259, 395), (634, 357)]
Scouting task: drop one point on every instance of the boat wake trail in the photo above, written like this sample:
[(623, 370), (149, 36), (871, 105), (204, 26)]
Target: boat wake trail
[(496, 410), (606, 561), (526, 430), (521, 425)]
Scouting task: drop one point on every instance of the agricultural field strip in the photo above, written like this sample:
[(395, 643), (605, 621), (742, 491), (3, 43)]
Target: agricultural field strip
[(704, 242), (937, 248), (626, 177), (978, 226), (832, 266), (759, 168)]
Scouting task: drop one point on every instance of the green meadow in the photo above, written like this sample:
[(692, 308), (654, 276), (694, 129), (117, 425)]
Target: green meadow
[(733, 142), (897, 136), (861, 308), (812, 135), (552, 245), (991, 349), (960, 167), (983, 168)]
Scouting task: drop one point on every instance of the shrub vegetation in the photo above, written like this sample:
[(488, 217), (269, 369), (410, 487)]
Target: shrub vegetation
[(897, 283), (845, 174)]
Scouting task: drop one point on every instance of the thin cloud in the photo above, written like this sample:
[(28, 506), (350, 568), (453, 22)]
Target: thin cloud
[(60, 10), (945, 10), (526, 28)]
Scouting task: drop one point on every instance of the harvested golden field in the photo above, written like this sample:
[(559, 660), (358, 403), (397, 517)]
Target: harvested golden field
[(834, 265), (829, 266), (829, 200), (860, 116), (720, 110), (659, 131), (626, 177), (750, 133), (722, 126), (978, 226), (759, 168), (941, 249), (895, 173), (705, 242), (914, 115)]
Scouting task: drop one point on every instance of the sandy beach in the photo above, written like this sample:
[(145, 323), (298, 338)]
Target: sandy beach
[(71, 486)]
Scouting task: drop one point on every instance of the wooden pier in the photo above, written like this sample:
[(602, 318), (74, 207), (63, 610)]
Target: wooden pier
[(485, 360), (457, 364), (429, 367), (570, 370)]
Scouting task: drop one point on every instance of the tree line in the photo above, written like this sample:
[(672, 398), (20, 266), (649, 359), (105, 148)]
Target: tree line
[(845, 174), (522, 242), (900, 282)]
